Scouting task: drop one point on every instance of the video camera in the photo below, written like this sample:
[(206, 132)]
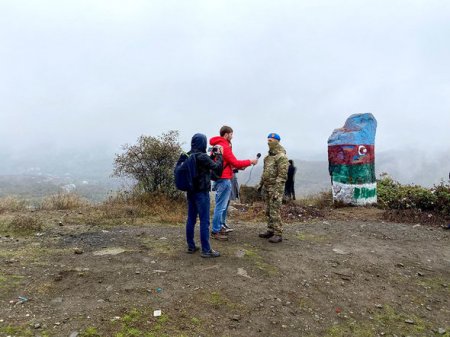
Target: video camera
[(215, 149)]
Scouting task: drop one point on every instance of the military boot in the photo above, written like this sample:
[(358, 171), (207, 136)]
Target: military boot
[(276, 239), (266, 235)]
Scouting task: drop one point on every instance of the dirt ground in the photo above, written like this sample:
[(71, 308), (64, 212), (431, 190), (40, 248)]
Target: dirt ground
[(347, 274)]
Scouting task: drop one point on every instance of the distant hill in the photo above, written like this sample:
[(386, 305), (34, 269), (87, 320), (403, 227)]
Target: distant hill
[(38, 174)]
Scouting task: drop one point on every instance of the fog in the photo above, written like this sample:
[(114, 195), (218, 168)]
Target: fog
[(85, 77)]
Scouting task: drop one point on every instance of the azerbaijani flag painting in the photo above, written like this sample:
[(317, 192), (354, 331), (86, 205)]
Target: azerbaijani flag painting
[(351, 159)]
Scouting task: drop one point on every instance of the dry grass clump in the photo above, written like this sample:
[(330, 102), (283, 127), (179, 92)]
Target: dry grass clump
[(12, 204), (63, 201), (416, 216), (249, 194), (24, 224), (159, 207), (321, 200), (254, 212), (293, 211)]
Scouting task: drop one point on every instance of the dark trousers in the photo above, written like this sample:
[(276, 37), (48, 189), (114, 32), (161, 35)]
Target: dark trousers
[(198, 204), (289, 190)]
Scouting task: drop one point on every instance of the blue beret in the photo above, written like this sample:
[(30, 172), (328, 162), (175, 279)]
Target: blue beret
[(274, 136)]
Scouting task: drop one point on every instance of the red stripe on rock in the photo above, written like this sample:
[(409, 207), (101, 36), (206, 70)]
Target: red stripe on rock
[(351, 154)]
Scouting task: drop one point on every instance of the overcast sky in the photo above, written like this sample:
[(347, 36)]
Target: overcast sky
[(99, 74)]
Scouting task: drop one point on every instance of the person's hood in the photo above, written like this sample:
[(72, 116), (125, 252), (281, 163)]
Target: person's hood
[(276, 149), (198, 143), (218, 141)]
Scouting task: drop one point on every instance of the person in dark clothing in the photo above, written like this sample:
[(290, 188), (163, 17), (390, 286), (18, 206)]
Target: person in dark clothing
[(198, 200), (289, 187)]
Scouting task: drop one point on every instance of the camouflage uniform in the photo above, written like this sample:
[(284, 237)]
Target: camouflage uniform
[(273, 179)]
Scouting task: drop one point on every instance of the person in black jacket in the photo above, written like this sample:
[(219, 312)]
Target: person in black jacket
[(289, 187), (198, 200)]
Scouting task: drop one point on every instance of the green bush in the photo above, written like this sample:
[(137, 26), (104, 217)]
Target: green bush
[(150, 163), (393, 195)]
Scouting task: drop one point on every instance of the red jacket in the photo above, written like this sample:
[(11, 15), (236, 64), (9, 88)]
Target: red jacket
[(229, 160)]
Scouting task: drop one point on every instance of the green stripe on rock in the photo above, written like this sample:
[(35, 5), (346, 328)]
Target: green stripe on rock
[(364, 192), (353, 174)]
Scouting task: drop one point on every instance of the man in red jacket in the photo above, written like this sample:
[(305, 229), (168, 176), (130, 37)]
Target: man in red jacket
[(223, 185)]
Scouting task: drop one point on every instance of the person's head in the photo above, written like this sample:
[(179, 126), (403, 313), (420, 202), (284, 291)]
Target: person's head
[(291, 162), (226, 132), (198, 143), (273, 139)]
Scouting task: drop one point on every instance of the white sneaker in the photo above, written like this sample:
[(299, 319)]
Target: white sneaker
[(227, 228)]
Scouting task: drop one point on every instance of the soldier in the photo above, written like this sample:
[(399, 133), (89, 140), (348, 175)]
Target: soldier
[(273, 180)]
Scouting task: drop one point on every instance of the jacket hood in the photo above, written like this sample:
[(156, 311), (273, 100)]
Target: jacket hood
[(218, 141), (198, 143)]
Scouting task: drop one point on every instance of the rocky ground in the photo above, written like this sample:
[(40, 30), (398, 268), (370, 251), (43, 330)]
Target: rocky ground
[(347, 274)]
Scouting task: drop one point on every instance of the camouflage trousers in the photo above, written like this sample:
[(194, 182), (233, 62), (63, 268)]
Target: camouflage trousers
[(274, 199)]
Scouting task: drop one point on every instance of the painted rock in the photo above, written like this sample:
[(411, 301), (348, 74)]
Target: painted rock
[(351, 159)]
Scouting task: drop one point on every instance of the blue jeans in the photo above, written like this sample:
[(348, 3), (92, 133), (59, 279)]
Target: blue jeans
[(198, 204), (223, 191)]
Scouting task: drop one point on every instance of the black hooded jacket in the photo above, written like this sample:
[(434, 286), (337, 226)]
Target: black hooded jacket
[(202, 182)]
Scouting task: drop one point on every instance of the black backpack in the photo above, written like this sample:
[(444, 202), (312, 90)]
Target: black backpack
[(185, 171)]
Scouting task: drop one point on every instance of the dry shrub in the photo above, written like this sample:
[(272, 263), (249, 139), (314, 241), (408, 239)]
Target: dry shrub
[(24, 224), (135, 205), (322, 200), (63, 201), (115, 213), (248, 213), (163, 208), (12, 204), (415, 216), (249, 194), (293, 211)]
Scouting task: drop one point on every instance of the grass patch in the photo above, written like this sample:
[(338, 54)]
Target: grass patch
[(435, 284), (17, 331), (140, 323), (90, 332), (305, 303), (311, 237), (217, 300), (259, 262), (35, 255), (161, 246), (195, 321), (9, 282)]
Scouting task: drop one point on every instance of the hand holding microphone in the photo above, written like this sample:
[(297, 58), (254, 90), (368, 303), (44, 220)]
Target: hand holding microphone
[(255, 161)]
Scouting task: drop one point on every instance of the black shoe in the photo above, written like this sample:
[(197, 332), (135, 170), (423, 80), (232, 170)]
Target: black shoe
[(266, 235), (192, 250), (276, 239), (211, 253)]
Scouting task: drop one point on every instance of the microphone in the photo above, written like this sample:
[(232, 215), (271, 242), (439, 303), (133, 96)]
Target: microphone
[(259, 156)]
